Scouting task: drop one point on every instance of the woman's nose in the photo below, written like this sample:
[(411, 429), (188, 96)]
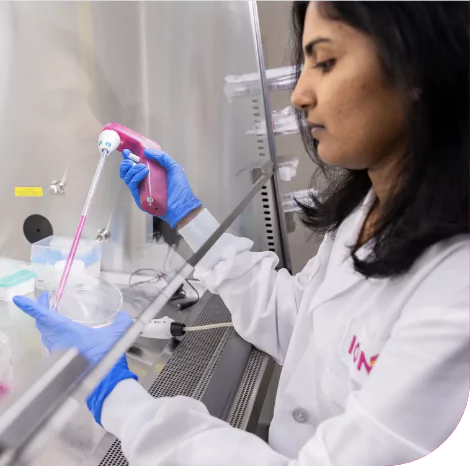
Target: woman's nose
[(303, 96)]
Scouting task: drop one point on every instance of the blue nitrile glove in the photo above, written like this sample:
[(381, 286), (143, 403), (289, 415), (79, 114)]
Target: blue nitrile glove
[(181, 199), (96, 399), (59, 332)]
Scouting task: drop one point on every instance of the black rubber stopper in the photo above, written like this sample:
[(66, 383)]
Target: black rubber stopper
[(36, 227)]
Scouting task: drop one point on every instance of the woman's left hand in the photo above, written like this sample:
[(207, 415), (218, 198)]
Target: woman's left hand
[(59, 332)]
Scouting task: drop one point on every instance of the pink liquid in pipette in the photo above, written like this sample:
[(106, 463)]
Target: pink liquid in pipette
[(78, 234), (70, 259)]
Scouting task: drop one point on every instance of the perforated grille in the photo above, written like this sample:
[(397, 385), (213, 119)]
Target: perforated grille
[(114, 456), (194, 361), (191, 366), (260, 141), (247, 386), (267, 207), (268, 215)]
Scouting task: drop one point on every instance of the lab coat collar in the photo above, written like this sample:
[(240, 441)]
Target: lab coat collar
[(356, 228), (342, 276), (348, 233)]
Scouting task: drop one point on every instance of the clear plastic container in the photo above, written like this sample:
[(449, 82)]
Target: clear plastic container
[(15, 279), (48, 258), (93, 303)]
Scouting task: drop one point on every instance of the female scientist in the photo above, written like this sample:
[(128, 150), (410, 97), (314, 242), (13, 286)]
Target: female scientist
[(373, 334)]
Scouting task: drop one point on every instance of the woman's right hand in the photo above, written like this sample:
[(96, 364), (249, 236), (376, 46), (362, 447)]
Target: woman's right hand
[(181, 199)]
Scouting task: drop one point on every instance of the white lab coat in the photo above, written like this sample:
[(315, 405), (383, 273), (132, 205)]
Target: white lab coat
[(375, 372)]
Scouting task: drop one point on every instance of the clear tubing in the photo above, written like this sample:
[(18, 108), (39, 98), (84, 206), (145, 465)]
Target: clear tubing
[(78, 234), (208, 327)]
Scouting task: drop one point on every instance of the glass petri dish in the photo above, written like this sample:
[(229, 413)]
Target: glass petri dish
[(93, 303)]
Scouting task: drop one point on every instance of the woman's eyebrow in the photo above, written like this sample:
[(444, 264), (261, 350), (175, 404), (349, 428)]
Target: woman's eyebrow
[(309, 48)]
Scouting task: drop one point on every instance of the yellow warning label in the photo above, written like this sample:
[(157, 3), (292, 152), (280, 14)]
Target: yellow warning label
[(28, 191)]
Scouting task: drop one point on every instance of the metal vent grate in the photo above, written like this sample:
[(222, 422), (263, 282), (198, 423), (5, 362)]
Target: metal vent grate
[(190, 368), (248, 384), (257, 121), (265, 194), (268, 218), (193, 362), (114, 456)]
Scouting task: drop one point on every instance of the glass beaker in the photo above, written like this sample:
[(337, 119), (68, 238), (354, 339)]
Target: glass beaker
[(94, 302)]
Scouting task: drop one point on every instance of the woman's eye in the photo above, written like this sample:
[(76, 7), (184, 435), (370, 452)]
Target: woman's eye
[(326, 65)]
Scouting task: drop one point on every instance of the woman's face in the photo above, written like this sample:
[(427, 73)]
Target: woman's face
[(358, 117)]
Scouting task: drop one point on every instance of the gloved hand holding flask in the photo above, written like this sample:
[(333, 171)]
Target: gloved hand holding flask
[(59, 332)]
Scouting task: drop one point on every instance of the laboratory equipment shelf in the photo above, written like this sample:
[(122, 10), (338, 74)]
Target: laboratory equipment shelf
[(217, 367)]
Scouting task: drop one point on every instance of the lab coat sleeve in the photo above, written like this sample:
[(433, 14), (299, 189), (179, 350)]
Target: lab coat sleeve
[(412, 401), (178, 431), (263, 302)]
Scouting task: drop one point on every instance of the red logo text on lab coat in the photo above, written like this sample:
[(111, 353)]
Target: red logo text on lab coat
[(359, 356)]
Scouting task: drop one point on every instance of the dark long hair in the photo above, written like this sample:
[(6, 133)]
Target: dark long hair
[(422, 45)]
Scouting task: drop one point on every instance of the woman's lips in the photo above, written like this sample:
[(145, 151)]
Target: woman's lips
[(316, 131)]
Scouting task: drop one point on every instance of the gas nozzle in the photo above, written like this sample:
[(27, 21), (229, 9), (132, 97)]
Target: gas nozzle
[(108, 141)]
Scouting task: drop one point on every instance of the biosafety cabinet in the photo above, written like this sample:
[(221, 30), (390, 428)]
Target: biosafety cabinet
[(191, 76)]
